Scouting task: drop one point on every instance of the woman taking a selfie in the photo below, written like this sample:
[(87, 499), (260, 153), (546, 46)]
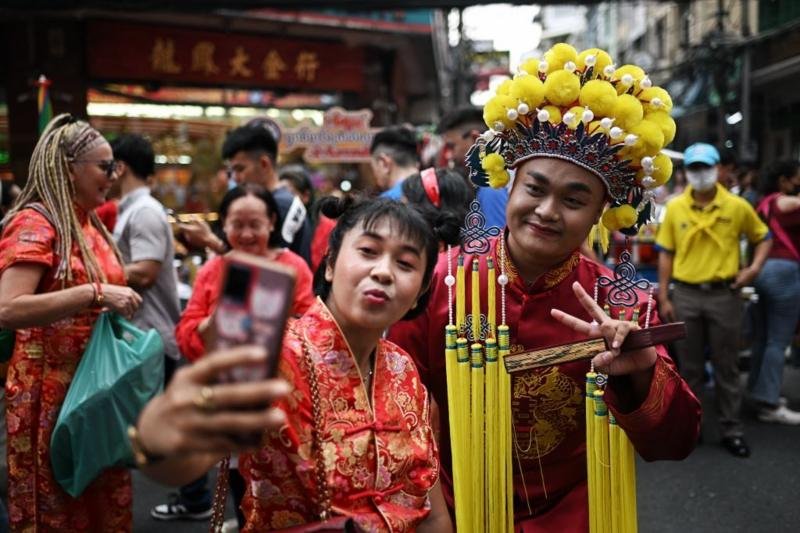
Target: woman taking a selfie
[(350, 436), (248, 215)]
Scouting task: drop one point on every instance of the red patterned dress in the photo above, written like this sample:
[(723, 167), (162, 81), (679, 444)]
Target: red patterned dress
[(42, 367), (380, 459)]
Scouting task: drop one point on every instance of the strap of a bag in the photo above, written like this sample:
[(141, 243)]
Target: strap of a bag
[(42, 210), (323, 491), (220, 495)]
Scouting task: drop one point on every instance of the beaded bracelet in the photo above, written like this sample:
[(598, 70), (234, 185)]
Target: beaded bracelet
[(99, 297)]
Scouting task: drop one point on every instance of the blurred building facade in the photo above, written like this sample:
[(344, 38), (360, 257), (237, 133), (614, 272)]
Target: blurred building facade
[(729, 65), (212, 60)]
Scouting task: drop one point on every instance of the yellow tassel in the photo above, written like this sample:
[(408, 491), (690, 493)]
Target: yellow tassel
[(494, 471), (628, 483), (479, 393), (617, 510), (462, 408), (477, 437), (602, 473), (591, 458), (454, 388), (506, 447)]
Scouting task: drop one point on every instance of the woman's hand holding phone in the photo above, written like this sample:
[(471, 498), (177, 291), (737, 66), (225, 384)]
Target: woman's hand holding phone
[(196, 414), (253, 308)]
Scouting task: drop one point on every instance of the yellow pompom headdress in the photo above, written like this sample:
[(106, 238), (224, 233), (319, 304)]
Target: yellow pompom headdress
[(580, 108)]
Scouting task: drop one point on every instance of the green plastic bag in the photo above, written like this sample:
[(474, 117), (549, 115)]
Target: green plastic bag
[(121, 369)]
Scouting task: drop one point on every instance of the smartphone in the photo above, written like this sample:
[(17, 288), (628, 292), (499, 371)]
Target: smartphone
[(253, 308)]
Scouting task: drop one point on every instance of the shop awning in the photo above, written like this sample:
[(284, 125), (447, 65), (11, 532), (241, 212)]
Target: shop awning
[(776, 71), (211, 5)]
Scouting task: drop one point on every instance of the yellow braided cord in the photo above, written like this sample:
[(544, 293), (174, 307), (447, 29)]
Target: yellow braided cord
[(461, 296), (491, 296), (476, 301)]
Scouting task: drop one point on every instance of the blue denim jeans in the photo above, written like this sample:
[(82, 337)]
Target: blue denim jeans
[(3, 518), (775, 318), (196, 495)]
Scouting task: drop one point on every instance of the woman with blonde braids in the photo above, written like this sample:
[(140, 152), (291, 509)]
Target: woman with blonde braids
[(58, 269)]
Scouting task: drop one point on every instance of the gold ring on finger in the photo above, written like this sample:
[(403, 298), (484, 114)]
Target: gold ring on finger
[(204, 400)]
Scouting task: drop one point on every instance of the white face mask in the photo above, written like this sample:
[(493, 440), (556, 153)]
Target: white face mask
[(702, 180)]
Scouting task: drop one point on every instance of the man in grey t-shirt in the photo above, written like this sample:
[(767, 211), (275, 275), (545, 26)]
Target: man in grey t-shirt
[(144, 237)]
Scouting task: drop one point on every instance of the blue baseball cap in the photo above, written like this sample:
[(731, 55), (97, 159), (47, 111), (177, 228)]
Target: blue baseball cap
[(702, 153)]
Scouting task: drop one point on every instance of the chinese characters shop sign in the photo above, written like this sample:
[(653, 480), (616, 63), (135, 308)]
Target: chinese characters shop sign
[(345, 137), (118, 51)]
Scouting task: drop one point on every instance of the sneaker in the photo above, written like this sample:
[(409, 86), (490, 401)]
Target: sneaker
[(736, 446), (779, 415), (783, 401), (231, 525), (175, 510)]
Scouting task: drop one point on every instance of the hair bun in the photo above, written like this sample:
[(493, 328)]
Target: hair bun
[(446, 227), (333, 207)]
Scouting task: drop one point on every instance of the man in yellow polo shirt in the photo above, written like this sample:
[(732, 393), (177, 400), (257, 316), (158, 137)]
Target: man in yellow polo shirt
[(698, 242)]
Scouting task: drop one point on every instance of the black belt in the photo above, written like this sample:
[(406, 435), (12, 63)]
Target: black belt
[(707, 285)]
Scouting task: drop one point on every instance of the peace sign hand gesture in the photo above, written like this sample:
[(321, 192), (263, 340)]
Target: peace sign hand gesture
[(611, 361)]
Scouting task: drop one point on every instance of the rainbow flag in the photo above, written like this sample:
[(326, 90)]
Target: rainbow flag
[(43, 103)]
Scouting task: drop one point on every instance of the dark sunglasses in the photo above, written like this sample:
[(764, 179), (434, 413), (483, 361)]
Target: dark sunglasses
[(106, 165)]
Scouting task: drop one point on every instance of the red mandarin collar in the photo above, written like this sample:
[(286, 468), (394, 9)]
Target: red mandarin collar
[(547, 281)]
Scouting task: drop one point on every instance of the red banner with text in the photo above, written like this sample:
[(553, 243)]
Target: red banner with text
[(137, 52)]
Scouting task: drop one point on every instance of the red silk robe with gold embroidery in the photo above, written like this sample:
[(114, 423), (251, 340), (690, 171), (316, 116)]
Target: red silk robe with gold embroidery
[(548, 406), (380, 459), (41, 370)]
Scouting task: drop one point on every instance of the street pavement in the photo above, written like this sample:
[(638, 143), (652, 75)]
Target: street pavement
[(709, 492)]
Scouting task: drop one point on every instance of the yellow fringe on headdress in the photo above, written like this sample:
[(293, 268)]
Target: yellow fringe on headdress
[(598, 232)]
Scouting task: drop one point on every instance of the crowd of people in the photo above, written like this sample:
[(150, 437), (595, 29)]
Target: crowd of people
[(355, 427)]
